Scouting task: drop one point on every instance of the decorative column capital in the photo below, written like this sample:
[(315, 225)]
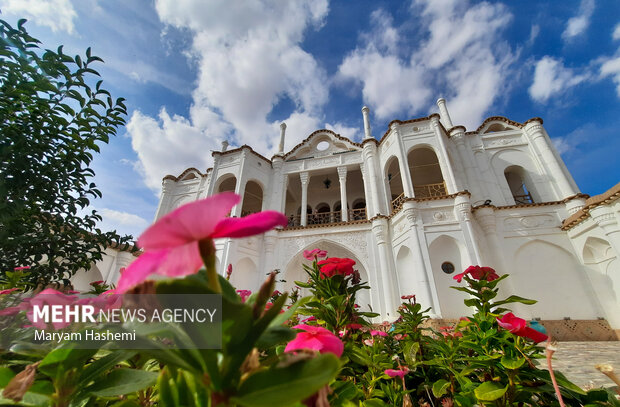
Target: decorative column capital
[(462, 207), (378, 228), (486, 219), (458, 135), (412, 215), (534, 128), (342, 173), (603, 217), (304, 177)]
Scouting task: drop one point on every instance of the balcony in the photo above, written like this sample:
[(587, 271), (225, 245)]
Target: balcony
[(327, 218), (523, 199), (430, 190)]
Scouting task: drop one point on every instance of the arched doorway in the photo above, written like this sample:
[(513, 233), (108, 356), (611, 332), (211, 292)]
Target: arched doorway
[(245, 275), (426, 173), (394, 183), (519, 184), (294, 270), (252, 198), (604, 273)]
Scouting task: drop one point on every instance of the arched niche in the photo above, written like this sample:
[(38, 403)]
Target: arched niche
[(446, 250), (252, 198), (245, 275), (294, 270), (604, 273), (549, 274), (425, 171), (409, 279), (82, 279)]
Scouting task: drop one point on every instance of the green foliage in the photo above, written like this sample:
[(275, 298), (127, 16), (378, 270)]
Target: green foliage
[(52, 119)]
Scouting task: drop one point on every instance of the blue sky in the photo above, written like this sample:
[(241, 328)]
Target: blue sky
[(197, 72)]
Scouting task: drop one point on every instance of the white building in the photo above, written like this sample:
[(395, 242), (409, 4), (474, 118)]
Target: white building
[(418, 205)]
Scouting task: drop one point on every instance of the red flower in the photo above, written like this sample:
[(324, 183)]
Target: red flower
[(519, 327), (478, 273), (95, 283), (354, 326), (334, 265), (244, 294), (9, 291), (315, 338)]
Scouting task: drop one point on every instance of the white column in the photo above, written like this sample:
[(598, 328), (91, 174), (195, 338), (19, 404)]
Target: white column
[(167, 186), (282, 134), (369, 154), (442, 156), (474, 185), (367, 133), (269, 243), (405, 175), (305, 179), (462, 208), (342, 178), (443, 112), (390, 293), (422, 276), (554, 170), (367, 195)]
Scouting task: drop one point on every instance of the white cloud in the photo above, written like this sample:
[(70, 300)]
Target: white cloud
[(551, 78), (462, 56), (55, 14), (534, 31), (616, 34), (345, 131), (577, 25), (611, 67), (249, 57), (122, 222), (172, 143)]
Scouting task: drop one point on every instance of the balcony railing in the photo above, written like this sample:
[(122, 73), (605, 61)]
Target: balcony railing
[(430, 190), (357, 214), (325, 218), (523, 199), (398, 201)]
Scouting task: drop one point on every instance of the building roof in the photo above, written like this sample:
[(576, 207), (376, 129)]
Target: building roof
[(606, 198)]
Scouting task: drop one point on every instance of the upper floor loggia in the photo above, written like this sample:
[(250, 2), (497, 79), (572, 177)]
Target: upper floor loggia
[(329, 179)]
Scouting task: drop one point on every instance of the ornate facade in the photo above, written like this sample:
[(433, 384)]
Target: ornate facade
[(423, 202)]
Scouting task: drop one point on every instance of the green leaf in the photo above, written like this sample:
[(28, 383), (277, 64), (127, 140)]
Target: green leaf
[(285, 386), (440, 387), (6, 374), (65, 358), (510, 363), (490, 391), (122, 381), (98, 367), (515, 298)]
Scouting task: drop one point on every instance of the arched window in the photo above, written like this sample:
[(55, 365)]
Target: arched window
[(516, 178), (252, 198), (227, 184), (359, 210), (426, 173)]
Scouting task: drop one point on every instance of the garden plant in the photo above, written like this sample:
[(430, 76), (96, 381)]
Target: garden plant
[(316, 350)]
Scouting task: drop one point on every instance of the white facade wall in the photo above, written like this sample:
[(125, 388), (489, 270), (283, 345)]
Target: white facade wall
[(572, 273)]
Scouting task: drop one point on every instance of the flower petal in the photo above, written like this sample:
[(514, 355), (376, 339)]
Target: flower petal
[(140, 269), (195, 221), (250, 225)]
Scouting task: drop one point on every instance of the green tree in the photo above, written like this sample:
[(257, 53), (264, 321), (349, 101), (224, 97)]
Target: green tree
[(52, 117)]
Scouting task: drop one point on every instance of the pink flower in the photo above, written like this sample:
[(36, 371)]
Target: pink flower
[(334, 265), (21, 268), (369, 342), (478, 273), (315, 338), (519, 327), (397, 372), (171, 244), (9, 291), (244, 294), (311, 254), (95, 283), (380, 333), (309, 319), (48, 297), (408, 297), (276, 293), (229, 271)]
